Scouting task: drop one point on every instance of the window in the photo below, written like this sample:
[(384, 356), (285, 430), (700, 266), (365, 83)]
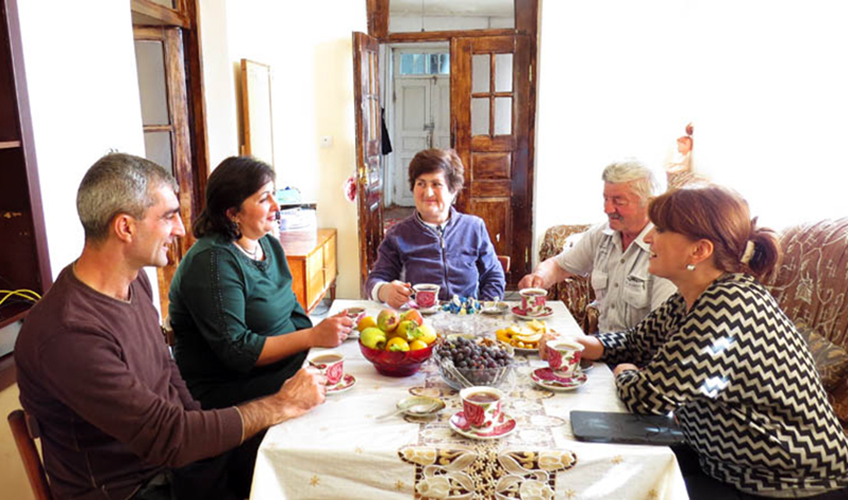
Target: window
[(425, 64)]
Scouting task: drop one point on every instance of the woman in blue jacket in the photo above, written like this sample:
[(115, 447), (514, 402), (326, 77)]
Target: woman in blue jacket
[(436, 244)]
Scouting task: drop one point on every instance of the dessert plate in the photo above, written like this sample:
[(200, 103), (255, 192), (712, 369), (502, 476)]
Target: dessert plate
[(548, 379), (504, 427), (521, 313), (344, 384)]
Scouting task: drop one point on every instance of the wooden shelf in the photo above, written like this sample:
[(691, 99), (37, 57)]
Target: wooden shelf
[(11, 313), (10, 144)]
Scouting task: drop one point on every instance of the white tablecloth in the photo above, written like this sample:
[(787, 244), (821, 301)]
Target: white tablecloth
[(339, 450)]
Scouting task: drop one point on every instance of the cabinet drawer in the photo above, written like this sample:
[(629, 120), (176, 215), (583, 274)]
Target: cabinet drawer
[(314, 275), (330, 269)]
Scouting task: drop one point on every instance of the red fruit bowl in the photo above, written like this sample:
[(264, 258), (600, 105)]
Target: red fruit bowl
[(397, 363)]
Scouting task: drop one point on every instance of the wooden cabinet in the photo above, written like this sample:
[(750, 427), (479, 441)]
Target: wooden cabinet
[(312, 260), (24, 263)]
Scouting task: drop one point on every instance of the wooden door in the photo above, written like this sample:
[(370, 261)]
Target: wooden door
[(162, 91), (366, 89), (490, 117)]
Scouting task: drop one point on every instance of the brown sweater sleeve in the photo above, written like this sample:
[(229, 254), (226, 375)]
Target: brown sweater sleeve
[(90, 374)]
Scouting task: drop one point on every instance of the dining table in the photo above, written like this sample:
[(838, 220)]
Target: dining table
[(345, 448)]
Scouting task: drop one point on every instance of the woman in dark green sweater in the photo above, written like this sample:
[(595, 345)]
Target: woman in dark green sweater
[(240, 332)]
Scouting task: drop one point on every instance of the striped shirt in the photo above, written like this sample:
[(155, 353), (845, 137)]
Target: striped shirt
[(743, 386)]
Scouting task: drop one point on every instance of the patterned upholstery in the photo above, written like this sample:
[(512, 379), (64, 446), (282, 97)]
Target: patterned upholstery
[(811, 286), (831, 359), (576, 293)]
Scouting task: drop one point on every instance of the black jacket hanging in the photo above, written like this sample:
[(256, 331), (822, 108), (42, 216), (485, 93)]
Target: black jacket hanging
[(386, 141)]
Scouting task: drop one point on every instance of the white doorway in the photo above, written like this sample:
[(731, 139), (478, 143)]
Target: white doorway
[(419, 111)]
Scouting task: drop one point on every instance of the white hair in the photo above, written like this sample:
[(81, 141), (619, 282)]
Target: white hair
[(644, 182)]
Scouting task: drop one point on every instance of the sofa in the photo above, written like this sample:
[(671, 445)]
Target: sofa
[(810, 285)]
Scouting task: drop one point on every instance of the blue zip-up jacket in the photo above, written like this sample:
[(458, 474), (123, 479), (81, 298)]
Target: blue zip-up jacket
[(461, 261)]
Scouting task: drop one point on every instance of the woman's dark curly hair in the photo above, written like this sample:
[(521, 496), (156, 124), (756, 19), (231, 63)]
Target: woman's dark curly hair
[(232, 182)]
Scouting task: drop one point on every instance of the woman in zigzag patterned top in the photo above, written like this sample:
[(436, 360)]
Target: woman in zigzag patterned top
[(726, 360)]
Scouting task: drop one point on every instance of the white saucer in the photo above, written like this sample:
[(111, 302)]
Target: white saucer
[(496, 308), (520, 313), (504, 427), (344, 384), (548, 379), (423, 310)]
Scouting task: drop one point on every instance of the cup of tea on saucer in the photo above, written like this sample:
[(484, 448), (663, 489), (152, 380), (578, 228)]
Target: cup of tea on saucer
[(426, 295), (482, 406), (564, 356), (533, 301), (355, 314), (330, 364)]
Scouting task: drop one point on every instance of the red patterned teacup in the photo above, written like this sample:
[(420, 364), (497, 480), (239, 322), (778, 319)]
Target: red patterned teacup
[(425, 295), (564, 356), (355, 314), (330, 364), (533, 301), (482, 406)]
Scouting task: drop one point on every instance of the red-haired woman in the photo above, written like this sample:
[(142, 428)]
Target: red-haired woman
[(726, 360)]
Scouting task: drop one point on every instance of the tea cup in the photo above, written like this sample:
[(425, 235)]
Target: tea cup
[(330, 364), (355, 314), (426, 295), (564, 356), (533, 301), (482, 406)]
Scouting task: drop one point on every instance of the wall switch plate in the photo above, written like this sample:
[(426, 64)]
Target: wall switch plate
[(326, 141)]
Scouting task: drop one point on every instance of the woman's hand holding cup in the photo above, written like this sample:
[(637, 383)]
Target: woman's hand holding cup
[(396, 293), (332, 331)]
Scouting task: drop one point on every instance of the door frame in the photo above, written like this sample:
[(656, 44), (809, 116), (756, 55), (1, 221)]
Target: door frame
[(389, 97), (148, 16), (527, 14)]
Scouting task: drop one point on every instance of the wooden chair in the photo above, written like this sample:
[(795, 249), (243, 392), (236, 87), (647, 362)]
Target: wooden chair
[(25, 433), (168, 332), (505, 261)]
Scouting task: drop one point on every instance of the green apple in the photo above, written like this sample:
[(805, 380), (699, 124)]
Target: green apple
[(388, 320), (373, 337), (408, 330)]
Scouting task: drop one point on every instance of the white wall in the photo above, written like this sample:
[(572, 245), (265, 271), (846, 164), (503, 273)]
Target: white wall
[(763, 81), (219, 81), (83, 94), (312, 94)]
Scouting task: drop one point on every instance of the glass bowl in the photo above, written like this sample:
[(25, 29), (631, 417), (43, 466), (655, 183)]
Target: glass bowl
[(460, 377), (397, 363)]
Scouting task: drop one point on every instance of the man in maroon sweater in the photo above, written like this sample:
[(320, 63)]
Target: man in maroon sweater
[(115, 416)]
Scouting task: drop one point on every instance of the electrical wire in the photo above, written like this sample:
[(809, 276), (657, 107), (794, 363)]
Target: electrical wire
[(30, 295)]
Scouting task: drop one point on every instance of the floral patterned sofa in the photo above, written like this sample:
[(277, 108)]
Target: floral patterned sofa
[(576, 293), (811, 286)]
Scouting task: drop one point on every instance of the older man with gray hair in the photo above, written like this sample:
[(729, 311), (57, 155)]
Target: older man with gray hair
[(615, 252)]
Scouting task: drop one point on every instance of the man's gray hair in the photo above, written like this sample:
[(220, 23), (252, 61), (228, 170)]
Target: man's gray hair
[(645, 185), (116, 184)]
